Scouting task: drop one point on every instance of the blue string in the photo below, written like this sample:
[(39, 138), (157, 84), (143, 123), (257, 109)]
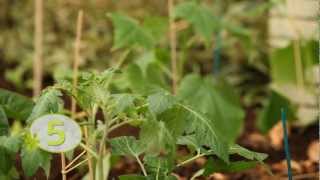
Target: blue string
[(216, 54), (286, 142)]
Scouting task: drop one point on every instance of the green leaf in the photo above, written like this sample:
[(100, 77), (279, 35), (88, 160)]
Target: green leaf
[(199, 16), (271, 113), (132, 177), (156, 138), (217, 165), (282, 63), (160, 166), (48, 102), (174, 120), (32, 157), (215, 115), (143, 83), (11, 143), (126, 145), (161, 101), (122, 102), (251, 155), (4, 124), (128, 33), (217, 102), (156, 25), (6, 161), (15, 106)]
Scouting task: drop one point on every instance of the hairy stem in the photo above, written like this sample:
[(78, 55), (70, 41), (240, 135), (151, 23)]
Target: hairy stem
[(120, 124), (141, 166), (191, 159)]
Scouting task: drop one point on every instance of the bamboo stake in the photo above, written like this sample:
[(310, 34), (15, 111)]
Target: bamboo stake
[(173, 47), (75, 82), (38, 42), (296, 48), (76, 61)]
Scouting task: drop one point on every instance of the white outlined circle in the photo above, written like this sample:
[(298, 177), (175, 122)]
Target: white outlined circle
[(56, 133)]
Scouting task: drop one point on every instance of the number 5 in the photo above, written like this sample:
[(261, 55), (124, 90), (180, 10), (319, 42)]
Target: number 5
[(52, 131)]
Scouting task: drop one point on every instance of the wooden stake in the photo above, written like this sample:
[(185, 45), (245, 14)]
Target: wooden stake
[(75, 81), (76, 61), (38, 42), (173, 47)]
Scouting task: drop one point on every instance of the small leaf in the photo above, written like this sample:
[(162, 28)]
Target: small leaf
[(216, 165), (122, 102), (126, 145), (15, 106), (4, 124), (11, 143), (132, 177), (156, 138), (6, 162), (143, 83), (199, 16), (48, 102), (128, 33), (251, 155), (160, 102), (161, 166)]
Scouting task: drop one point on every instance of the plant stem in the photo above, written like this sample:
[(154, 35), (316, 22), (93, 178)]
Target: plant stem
[(191, 159), (88, 149), (77, 165), (141, 166), (38, 42), (173, 47), (90, 166), (75, 159), (63, 166), (101, 146), (120, 124)]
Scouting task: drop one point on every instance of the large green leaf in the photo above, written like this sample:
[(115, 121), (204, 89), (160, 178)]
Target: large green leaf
[(156, 25), (216, 165), (215, 115), (126, 145), (156, 137), (48, 102), (4, 124), (6, 162), (160, 166), (161, 101), (122, 102), (15, 106), (199, 16), (271, 114), (128, 33), (144, 82)]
